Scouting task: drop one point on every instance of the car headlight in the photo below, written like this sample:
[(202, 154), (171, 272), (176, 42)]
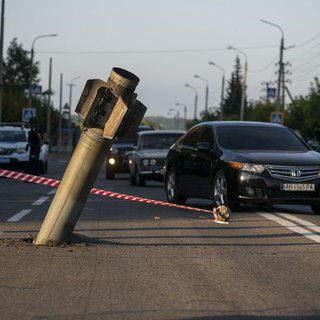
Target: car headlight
[(112, 161), (248, 167), (153, 162), (149, 162), (21, 150)]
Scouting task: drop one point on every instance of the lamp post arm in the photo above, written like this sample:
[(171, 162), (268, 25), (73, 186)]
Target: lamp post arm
[(31, 64)]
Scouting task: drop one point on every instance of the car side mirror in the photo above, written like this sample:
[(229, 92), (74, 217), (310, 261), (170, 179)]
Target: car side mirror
[(203, 146)]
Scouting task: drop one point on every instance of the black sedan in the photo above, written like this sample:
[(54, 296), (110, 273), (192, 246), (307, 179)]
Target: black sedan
[(234, 162)]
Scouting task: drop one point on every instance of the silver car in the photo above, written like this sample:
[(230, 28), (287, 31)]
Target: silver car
[(149, 153)]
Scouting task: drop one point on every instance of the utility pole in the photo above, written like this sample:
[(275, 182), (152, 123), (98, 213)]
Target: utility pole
[(1, 57), (49, 102), (243, 94), (69, 147), (60, 115), (195, 100), (280, 101), (281, 67), (207, 94)]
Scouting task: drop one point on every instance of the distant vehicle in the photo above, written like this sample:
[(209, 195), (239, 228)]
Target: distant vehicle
[(149, 153), (14, 148), (316, 147), (234, 162), (117, 158)]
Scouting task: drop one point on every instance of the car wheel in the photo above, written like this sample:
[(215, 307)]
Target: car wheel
[(316, 209), (132, 180), (140, 181), (219, 189), (173, 195), (110, 173)]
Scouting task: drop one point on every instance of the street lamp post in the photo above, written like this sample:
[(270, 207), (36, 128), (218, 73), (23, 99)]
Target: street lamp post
[(185, 113), (69, 149), (222, 88), (178, 117), (278, 103), (31, 64), (195, 100), (243, 95), (207, 92)]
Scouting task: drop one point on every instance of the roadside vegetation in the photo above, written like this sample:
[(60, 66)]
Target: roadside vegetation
[(302, 114)]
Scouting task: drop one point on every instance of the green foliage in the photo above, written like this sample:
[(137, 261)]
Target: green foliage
[(13, 99), (16, 73), (232, 101), (260, 111), (16, 68), (304, 114)]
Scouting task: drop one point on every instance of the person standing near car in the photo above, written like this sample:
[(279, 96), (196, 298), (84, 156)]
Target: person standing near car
[(35, 142)]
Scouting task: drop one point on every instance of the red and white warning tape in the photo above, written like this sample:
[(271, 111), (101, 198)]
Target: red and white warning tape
[(55, 183)]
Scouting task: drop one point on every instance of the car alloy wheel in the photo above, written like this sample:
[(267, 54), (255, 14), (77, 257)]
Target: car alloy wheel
[(172, 193), (220, 189)]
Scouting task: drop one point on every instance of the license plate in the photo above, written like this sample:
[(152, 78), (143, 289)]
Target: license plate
[(297, 187), (4, 160)]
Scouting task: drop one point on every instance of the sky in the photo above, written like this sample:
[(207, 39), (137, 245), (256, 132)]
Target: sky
[(165, 43)]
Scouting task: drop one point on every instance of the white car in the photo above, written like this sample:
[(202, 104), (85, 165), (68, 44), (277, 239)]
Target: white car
[(15, 151)]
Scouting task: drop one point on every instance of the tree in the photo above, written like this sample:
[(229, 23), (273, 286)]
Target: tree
[(16, 74), (304, 113), (232, 101), (16, 69), (259, 111)]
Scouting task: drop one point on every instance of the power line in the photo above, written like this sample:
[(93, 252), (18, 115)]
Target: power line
[(267, 66), (308, 41), (150, 51)]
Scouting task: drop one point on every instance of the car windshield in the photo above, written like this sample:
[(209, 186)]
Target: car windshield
[(158, 141), (259, 139), (12, 136)]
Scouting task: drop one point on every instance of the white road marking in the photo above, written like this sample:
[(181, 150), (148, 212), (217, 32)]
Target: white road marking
[(19, 215), (303, 223), (291, 226), (53, 191), (40, 201)]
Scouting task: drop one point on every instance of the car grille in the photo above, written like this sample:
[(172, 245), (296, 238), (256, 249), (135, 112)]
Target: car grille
[(5, 151), (294, 173)]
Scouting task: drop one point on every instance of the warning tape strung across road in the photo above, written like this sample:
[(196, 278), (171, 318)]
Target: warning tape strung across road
[(55, 183)]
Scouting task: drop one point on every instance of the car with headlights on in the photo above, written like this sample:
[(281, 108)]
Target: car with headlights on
[(117, 158), (149, 153), (238, 162)]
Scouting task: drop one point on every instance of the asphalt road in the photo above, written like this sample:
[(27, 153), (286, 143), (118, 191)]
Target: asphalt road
[(131, 260)]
